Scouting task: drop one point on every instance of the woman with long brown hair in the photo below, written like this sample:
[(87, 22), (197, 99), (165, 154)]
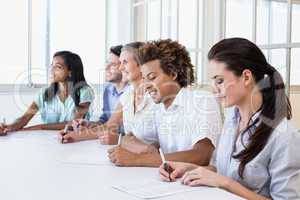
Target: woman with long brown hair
[(258, 152)]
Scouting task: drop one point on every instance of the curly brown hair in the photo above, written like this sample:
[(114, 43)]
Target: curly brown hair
[(173, 57)]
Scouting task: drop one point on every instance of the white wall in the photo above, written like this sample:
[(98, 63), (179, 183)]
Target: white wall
[(118, 19)]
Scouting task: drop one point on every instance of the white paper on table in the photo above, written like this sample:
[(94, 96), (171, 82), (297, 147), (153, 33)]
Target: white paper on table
[(151, 189)]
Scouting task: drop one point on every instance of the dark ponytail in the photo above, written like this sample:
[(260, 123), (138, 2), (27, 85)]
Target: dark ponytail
[(239, 54)]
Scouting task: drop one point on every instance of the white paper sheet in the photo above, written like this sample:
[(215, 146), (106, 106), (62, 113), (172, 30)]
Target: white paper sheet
[(153, 188)]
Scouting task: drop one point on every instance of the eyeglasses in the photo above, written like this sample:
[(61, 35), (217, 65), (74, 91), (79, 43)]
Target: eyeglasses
[(111, 64)]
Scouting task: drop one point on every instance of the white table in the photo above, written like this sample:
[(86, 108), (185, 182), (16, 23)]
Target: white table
[(32, 168)]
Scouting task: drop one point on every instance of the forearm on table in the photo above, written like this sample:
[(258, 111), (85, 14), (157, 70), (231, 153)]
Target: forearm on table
[(18, 124), (54, 126), (191, 156), (148, 160), (134, 144), (154, 160), (236, 188), (200, 154), (90, 133)]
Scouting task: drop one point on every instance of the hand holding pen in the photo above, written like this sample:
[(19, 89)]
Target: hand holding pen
[(178, 169), (78, 124), (65, 131), (166, 166)]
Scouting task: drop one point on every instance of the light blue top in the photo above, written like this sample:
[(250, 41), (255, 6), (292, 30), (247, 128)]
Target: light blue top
[(111, 98), (56, 111), (274, 172)]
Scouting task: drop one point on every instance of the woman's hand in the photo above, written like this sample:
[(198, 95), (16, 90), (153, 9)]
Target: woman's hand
[(71, 136), (3, 129), (203, 176), (79, 124), (107, 137), (178, 169)]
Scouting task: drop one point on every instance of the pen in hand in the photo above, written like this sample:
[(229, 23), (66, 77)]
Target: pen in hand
[(165, 164), (64, 133), (120, 139)]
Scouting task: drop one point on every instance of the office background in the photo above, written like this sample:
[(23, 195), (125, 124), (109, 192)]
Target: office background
[(32, 30)]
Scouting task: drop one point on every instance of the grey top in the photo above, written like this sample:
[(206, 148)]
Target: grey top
[(275, 171)]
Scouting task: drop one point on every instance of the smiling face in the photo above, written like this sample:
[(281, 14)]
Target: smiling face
[(129, 67), (59, 71), (161, 86), (229, 89), (112, 72)]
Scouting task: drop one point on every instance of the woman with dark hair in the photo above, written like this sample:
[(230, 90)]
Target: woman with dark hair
[(68, 97), (258, 152)]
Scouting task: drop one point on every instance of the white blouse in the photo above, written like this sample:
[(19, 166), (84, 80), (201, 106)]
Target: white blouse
[(141, 123)]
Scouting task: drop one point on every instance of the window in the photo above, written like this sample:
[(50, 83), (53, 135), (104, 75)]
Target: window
[(139, 22), (37, 29), (238, 18), (153, 16), (13, 40), (272, 24), (175, 19), (39, 42), (79, 26)]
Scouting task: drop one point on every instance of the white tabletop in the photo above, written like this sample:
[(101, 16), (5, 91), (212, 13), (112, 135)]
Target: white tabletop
[(35, 166)]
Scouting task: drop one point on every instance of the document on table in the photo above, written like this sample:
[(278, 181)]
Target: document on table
[(151, 189)]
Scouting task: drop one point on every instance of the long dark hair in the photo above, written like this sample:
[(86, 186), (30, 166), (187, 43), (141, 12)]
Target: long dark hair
[(75, 82), (239, 54)]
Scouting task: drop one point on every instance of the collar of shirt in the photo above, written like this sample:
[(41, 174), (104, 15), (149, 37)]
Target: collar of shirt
[(237, 117), (114, 90), (146, 100), (243, 138), (179, 101)]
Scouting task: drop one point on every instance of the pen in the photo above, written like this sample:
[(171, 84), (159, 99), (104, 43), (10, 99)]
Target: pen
[(120, 139), (165, 164), (64, 133), (79, 122)]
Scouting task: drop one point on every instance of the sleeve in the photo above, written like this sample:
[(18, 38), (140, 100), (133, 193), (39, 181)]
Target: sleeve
[(207, 118), (39, 99), (285, 166), (86, 95), (103, 117)]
